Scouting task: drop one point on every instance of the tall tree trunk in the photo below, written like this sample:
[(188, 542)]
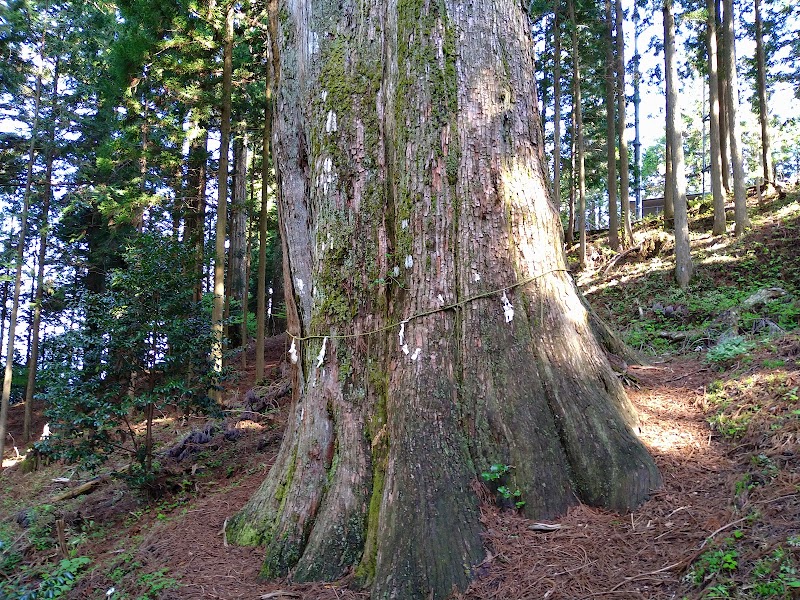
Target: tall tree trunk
[(763, 110), (218, 305), (669, 177), (556, 105), (261, 293), (413, 181), (33, 359), (714, 121), (624, 174), (611, 135), (576, 99), (683, 258), (195, 201), (237, 248), (570, 235), (21, 241), (722, 95), (741, 221), (6, 289)]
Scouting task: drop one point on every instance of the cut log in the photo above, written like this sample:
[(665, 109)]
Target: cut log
[(84, 488)]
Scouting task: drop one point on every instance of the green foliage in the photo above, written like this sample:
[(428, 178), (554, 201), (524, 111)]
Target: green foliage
[(729, 349), (146, 345), (10, 556), (495, 472), (719, 561), (155, 583), (731, 426), (495, 477), (55, 583)]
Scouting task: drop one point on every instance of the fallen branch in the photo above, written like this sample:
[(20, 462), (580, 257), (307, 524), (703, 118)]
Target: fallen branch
[(84, 488), (613, 262), (721, 529)]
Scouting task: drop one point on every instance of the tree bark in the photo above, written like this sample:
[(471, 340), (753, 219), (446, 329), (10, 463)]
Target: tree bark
[(669, 175), (683, 258), (218, 306), (611, 135), (556, 105), (33, 359), (261, 293), (237, 247), (624, 174), (416, 211), (763, 110), (576, 100), (21, 241), (722, 95), (570, 234), (741, 221), (714, 122), (195, 201)]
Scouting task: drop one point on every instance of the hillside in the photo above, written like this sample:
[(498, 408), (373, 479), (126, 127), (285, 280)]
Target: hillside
[(717, 391)]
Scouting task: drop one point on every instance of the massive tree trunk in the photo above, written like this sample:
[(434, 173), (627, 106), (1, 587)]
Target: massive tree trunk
[(436, 329), (683, 259), (714, 121), (611, 135), (740, 218)]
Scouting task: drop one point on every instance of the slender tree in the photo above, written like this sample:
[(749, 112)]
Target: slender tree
[(683, 259), (714, 121), (722, 95), (611, 136), (261, 293), (218, 306), (33, 357), (624, 174), (570, 234), (669, 173), (21, 241), (576, 101), (761, 84), (237, 247), (557, 104), (741, 221)]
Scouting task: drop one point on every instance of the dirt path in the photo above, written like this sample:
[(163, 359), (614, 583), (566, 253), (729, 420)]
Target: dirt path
[(644, 554), (595, 554)]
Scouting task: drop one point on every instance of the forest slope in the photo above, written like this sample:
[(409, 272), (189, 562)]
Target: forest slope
[(718, 397)]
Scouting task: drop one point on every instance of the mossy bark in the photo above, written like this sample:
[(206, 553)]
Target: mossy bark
[(411, 169)]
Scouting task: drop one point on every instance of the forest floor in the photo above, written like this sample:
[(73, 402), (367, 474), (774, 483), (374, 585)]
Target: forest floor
[(718, 397)]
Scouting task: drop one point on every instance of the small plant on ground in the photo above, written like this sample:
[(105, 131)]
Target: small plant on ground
[(717, 563), (155, 583), (496, 477), (729, 349), (776, 575), (54, 583)]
